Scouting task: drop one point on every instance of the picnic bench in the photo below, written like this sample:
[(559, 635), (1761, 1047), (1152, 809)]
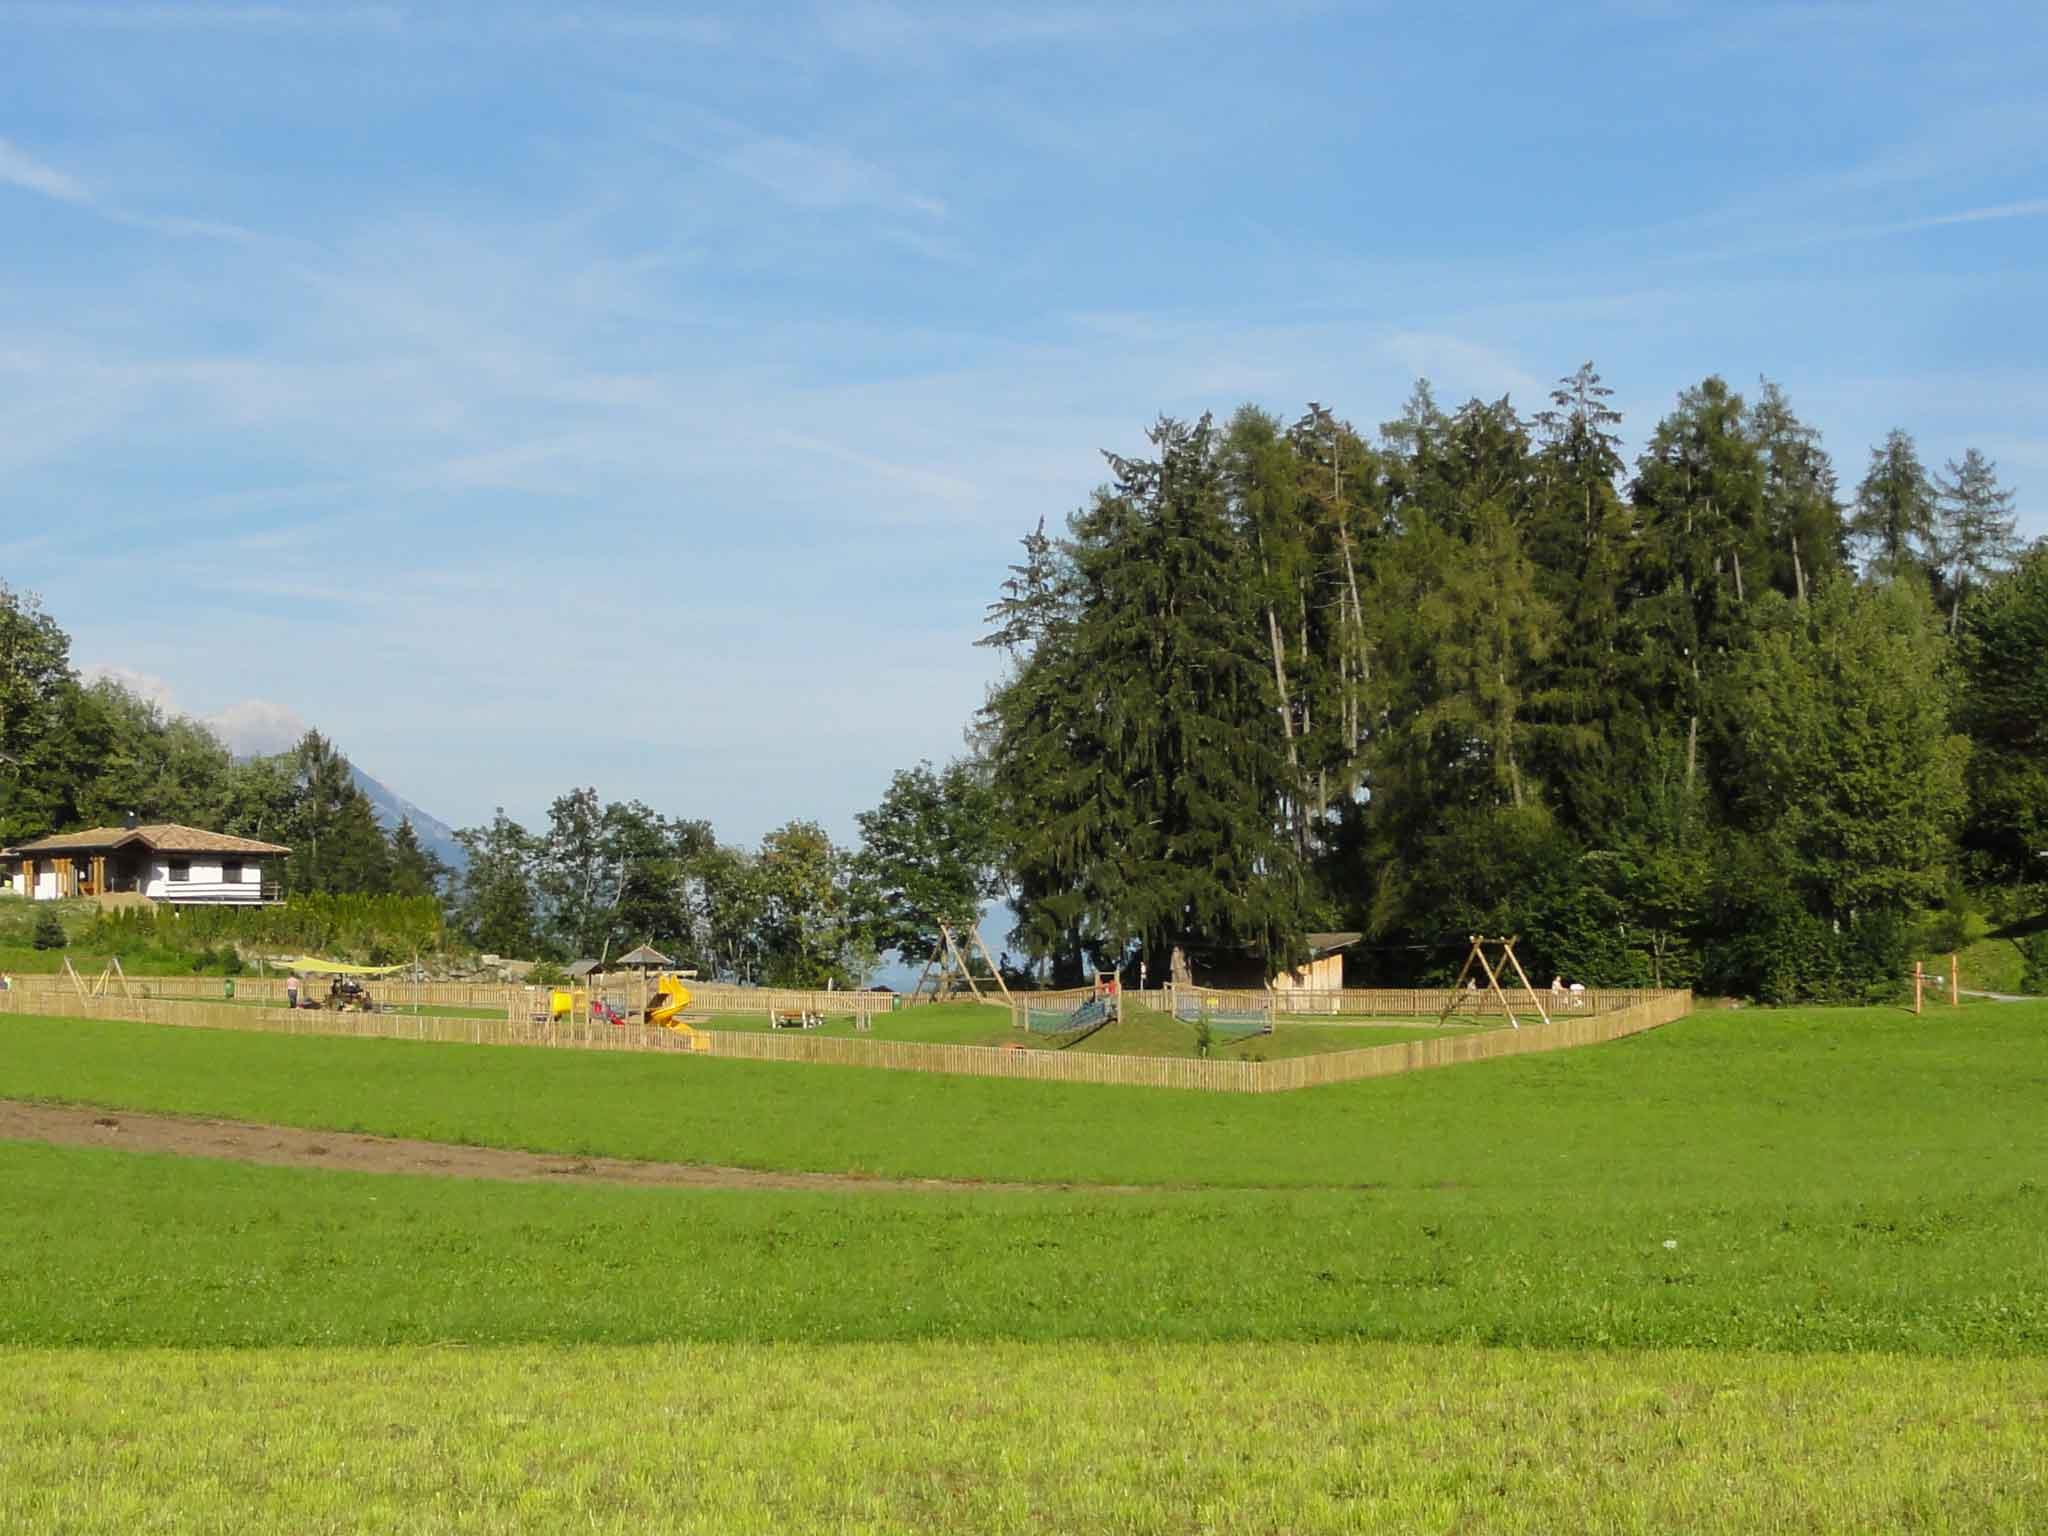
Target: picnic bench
[(795, 1018)]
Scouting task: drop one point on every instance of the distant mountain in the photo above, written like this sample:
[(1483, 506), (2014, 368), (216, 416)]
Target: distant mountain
[(435, 835)]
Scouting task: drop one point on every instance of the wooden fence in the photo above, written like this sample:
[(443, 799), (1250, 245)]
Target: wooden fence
[(969, 1060), (621, 988)]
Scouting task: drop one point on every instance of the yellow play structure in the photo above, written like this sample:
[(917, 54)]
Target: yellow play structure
[(571, 1006), (668, 1012)]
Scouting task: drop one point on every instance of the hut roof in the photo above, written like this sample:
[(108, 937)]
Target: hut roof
[(646, 954), (163, 837)]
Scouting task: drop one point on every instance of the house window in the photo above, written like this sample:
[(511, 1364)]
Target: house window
[(181, 871), (231, 871)]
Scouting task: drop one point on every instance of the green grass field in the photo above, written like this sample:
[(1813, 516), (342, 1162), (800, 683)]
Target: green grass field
[(1762, 1270), (1140, 1439), (1141, 1032)]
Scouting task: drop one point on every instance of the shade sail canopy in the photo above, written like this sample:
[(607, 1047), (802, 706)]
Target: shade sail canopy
[(315, 966)]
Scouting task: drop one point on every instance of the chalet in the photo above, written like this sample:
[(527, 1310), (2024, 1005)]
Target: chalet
[(165, 862)]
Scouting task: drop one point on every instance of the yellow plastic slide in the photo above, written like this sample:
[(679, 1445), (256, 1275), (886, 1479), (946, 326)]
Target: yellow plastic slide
[(676, 997)]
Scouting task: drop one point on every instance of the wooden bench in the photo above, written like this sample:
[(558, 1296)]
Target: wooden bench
[(801, 1018)]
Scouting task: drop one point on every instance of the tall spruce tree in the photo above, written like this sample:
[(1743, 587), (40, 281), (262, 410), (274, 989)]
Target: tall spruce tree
[(1974, 528), (416, 870), (1801, 511), (1894, 518), (1136, 758), (1699, 496), (1586, 729)]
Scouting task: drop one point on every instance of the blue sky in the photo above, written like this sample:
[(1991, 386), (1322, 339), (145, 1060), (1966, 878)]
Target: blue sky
[(534, 396)]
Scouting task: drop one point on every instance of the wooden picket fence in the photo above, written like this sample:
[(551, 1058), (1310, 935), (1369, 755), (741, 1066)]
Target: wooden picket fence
[(620, 988), (966, 1060)]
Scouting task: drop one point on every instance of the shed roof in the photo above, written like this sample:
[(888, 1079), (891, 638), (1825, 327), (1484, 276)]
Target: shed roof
[(1330, 943), (646, 954), (162, 837)]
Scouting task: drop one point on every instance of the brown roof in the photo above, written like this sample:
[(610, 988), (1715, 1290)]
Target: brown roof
[(165, 837)]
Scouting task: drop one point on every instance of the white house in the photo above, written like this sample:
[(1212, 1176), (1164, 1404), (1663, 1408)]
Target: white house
[(166, 862)]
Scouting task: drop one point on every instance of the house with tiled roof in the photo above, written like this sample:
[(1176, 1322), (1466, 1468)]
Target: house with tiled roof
[(163, 862)]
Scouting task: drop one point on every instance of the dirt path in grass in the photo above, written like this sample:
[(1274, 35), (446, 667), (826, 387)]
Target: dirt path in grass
[(288, 1146)]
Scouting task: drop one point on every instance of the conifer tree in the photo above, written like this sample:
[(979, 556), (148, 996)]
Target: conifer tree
[(1801, 512), (1699, 495), (1136, 759), (1974, 527), (416, 870), (1584, 717), (1894, 517)]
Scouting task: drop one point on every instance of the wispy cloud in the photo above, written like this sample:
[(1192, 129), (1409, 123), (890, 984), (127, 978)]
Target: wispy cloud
[(2030, 208), (18, 168), (825, 176)]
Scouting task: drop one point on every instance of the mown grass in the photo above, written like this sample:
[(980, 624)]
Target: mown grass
[(1141, 1032), (115, 1249), (1822, 1104), (1146, 1440)]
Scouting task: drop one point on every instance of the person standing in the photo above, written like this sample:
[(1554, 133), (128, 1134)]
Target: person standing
[(291, 990)]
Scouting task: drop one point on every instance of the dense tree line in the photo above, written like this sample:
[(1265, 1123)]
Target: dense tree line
[(1704, 722), (77, 754), (797, 910), (1705, 719)]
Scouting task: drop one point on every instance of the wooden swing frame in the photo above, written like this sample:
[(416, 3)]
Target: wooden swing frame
[(1477, 956), (954, 959), (99, 986)]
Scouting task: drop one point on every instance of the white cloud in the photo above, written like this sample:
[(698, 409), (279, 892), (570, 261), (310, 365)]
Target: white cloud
[(257, 726), (18, 168), (144, 685), (251, 727)]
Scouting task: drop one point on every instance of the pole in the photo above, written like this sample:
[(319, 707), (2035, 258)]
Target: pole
[(1919, 980), (1955, 980)]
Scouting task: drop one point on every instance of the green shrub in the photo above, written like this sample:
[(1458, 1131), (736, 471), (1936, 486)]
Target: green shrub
[(49, 930), (2034, 979)]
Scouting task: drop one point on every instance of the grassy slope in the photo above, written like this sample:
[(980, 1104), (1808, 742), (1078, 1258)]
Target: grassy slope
[(946, 1438), (1820, 1104), (195, 1253)]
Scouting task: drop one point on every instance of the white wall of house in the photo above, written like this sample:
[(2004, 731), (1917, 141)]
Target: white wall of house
[(205, 879)]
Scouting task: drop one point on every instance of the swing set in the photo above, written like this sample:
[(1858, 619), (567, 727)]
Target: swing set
[(1493, 973)]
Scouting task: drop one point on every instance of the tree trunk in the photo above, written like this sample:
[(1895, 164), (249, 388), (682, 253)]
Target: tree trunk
[(1692, 730), (1798, 569), (1280, 680)]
